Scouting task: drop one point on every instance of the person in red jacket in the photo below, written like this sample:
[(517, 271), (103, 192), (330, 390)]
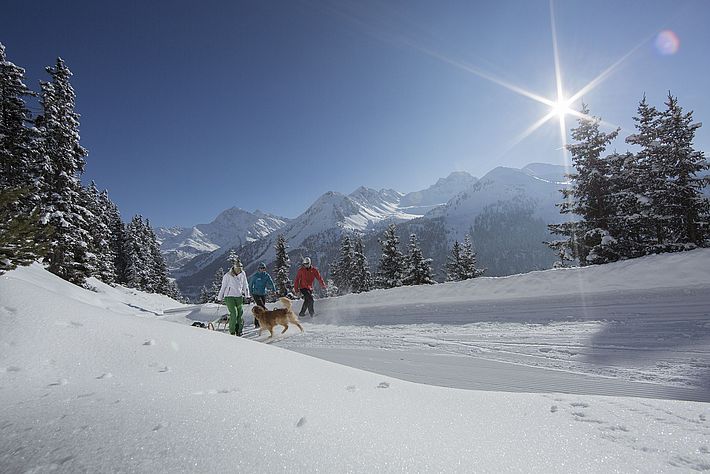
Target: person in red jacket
[(304, 284)]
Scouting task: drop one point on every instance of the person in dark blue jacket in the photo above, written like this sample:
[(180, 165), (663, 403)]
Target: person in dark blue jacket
[(261, 282)]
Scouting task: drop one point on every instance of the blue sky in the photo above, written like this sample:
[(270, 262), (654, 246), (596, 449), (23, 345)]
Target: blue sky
[(189, 108)]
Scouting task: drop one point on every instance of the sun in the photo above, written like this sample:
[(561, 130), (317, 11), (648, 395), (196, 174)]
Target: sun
[(561, 108)]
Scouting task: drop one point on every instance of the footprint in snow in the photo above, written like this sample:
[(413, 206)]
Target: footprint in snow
[(58, 383), (579, 404), (164, 369), (301, 422), (158, 427), (106, 375), (702, 417), (351, 388), (13, 368), (384, 385), (149, 342), (553, 409)]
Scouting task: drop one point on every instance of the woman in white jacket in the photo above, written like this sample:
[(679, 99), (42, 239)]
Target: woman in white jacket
[(235, 288)]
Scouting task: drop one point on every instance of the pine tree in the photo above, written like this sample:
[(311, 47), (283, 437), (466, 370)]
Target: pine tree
[(204, 296), (95, 221), (342, 268), (160, 277), (331, 289), (389, 274), (453, 263), (361, 276), (588, 196), (645, 232), (417, 269), (112, 218), (233, 258), (17, 141), (133, 254), (23, 239), (282, 267), (216, 284), (61, 188), (469, 267), (682, 209)]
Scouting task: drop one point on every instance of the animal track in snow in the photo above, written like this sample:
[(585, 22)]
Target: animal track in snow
[(351, 388), (106, 375), (384, 385), (164, 369), (58, 383), (149, 342), (301, 422)]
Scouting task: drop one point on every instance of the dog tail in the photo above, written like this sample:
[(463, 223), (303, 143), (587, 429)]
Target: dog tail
[(286, 302)]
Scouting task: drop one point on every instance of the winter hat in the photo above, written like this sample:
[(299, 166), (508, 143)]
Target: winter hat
[(262, 265), (307, 261)]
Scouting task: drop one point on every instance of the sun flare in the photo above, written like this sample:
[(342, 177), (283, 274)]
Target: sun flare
[(561, 108)]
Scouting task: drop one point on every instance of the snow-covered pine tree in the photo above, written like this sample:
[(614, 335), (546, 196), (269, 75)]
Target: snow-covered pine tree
[(645, 232), (452, 268), (282, 267), (683, 210), (133, 252), (391, 266), (216, 284), (61, 187), (417, 269), (205, 296), (22, 238), (626, 223), (17, 141), (361, 276), (342, 268), (587, 239), (234, 258), (100, 253), (469, 267), (331, 288), (112, 218), (162, 283)]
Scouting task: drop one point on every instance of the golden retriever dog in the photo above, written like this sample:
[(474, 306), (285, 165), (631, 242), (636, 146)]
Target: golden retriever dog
[(280, 316)]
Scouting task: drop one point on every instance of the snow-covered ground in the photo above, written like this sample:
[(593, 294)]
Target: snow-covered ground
[(106, 381)]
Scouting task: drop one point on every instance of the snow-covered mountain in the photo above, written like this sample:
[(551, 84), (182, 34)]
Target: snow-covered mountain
[(522, 201), (315, 232), (535, 187), (231, 228), (439, 193)]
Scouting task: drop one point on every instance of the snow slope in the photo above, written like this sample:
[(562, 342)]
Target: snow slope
[(642, 320), (98, 382)]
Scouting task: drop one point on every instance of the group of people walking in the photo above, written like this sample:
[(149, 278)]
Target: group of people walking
[(236, 289)]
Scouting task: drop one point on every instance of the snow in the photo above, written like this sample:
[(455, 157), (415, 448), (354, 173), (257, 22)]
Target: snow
[(107, 381)]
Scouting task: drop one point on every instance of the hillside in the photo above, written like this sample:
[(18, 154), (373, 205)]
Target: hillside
[(112, 386)]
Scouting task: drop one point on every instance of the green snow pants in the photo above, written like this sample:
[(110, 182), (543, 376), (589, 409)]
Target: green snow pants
[(236, 322)]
